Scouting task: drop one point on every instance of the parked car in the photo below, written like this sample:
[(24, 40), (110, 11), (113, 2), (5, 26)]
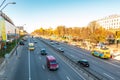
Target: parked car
[(43, 51), (83, 62)]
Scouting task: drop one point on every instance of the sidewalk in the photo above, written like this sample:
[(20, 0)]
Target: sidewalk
[(115, 51), (6, 65)]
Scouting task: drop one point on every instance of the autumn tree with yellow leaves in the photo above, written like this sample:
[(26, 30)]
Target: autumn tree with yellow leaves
[(94, 32)]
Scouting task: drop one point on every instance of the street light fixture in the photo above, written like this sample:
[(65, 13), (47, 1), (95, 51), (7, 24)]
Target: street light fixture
[(1, 13), (2, 3), (7, 5)]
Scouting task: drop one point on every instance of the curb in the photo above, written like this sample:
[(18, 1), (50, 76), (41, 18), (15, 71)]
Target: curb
[(2, 65)]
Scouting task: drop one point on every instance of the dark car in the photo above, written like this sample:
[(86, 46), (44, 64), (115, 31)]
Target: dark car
[(61, 49), (21, 43), (57, 43), (84, 62), (35, 41), (43, 52)]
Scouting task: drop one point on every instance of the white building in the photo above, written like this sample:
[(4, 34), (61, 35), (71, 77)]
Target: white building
[(9, 28), (110, 22)]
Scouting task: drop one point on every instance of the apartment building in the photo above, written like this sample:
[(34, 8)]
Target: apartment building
[(110, 22)]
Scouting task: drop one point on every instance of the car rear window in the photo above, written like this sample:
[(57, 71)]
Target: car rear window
[(53, 62)]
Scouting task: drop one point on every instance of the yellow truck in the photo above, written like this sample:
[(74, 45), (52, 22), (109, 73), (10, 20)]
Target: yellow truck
[(103, 53), (31, 46)]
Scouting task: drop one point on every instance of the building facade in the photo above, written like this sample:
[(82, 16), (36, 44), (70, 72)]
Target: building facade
[(110, 22), (7, 29)]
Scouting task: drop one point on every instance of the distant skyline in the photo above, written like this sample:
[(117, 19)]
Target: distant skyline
[(52, 13)]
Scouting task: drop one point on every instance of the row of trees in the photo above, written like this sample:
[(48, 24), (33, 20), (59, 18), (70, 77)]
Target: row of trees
[(94, 32)]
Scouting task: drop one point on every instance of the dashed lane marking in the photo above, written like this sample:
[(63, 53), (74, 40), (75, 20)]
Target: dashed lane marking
[(67, 78), (43, 66), (39, 57), (109, 76)]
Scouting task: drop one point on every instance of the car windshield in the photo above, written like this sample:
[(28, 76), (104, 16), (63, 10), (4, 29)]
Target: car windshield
[(31, 46), (84, 60), (53, 62), (61, 48)]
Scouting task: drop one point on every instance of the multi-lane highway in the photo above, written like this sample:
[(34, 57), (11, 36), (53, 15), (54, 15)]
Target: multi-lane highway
[(109, 69), (31, 65)]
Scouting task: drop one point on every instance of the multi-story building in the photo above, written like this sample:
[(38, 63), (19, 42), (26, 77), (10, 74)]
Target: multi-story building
[(110, 22), (21, 30), (7, 29)]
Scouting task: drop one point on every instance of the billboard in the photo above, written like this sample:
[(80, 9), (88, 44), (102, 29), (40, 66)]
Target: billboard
[(0, 33), (10, 31), (2, 29)]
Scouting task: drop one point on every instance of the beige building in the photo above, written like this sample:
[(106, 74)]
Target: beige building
[(110, 22)]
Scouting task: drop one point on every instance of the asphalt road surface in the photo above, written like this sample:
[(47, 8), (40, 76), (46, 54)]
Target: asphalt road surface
[(31, 65), (107, 68)]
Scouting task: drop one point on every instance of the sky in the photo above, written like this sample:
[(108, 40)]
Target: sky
[(34, 14)]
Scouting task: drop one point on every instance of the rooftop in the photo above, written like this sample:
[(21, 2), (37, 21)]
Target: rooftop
[(6, 17)]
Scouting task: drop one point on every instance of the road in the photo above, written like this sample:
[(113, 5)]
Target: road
[(107, 68), (30, 65)]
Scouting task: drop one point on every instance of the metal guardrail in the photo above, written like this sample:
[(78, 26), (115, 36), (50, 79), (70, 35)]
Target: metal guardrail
[(89, 72)]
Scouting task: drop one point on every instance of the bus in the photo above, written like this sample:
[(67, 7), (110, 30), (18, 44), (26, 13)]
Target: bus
[(103, 53), (31, 46), (51, 62)]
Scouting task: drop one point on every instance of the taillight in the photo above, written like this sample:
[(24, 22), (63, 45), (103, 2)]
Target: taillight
[(111, 56)]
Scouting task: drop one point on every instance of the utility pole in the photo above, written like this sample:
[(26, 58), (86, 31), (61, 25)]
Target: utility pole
[(16, 40)]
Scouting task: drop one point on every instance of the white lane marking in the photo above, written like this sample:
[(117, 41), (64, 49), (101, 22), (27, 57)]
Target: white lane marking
[(37, 52), (102, 60), (2, 72), (109, 76), (67, 78), (29, 69), (94, 62), (43, 66), (29, 65), (118, 72), (112, 64), (73, 69), (72, 56), (39, 57)]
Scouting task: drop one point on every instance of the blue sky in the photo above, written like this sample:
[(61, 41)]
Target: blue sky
[(52, 13)]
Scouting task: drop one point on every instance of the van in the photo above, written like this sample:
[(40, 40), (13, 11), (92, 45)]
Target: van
[(51, 62), (31, 46)]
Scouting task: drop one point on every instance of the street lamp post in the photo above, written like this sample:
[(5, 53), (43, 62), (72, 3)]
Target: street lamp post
[(16, 40), (7, 5), (1, 15), (2, 3)]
